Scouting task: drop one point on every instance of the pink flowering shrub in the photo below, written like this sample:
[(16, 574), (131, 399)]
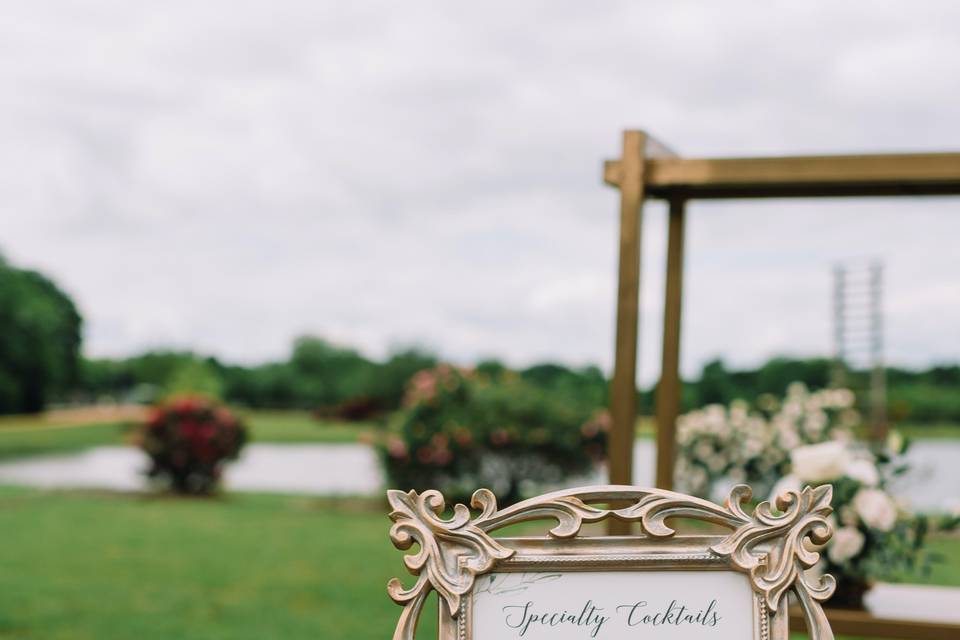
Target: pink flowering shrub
[(459, 430), (189, 439)]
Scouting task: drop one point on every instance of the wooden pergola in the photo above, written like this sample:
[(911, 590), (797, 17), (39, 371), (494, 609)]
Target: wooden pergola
[(648, 169)]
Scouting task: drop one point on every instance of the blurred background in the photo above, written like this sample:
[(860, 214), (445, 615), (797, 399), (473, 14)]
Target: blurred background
[(263, 260)]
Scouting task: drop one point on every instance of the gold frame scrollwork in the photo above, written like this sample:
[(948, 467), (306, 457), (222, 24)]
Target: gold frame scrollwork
[(767, 545)]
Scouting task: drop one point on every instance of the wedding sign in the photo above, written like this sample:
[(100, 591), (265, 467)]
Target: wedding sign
[(661, 584), (659, 605)]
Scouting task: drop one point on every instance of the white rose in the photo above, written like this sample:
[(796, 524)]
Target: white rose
[(697, 477), (788, 435), (703, 451), (863, 471), (846, 543), (820, 462), (844, 398), (815, 423), (876, 509)]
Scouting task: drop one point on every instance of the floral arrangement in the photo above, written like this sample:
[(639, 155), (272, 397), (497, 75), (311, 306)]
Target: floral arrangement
[(459, 429), (720, 446), (873, 536), (188, 440), (808, 438)]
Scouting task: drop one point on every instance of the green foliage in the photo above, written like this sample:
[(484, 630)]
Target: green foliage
[(919, 397), (145, 377), (195, 377), (339, 382), (718, 385), (272, 385), (40, 331), (390, 379), (460, 430), (327, 374), (925, 402), (586, 386)]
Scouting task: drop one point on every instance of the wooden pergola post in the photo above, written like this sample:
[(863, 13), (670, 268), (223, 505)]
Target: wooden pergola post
[(669, 389), (623, 391), (648, 169)]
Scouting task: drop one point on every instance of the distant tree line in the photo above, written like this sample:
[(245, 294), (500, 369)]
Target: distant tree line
[(340, 382), (41, 362), (319, 376), (927, 396)]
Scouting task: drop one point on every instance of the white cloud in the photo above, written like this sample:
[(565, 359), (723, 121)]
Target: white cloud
[(227, 175)]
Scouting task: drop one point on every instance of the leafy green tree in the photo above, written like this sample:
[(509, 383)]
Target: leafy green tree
[(390, 379), (586, 387), (492, 368), (715, 384), (196, 377), (158, 367), (40, 335), (328, 374), (777, 373)]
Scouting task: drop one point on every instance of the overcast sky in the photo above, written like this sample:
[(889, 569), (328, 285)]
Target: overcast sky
[(224, 176)]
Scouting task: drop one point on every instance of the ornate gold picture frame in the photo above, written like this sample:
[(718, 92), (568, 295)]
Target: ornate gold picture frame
[(768, 550)]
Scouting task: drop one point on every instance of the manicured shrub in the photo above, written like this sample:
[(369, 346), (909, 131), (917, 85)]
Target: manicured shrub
[(459, 430), (189, 439)]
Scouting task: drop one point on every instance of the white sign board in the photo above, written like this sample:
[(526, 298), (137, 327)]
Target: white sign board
[(621, 605)]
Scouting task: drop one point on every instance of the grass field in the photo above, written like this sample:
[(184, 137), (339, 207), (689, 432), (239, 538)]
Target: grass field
[(22, 436), (83, 566), (103, 567)]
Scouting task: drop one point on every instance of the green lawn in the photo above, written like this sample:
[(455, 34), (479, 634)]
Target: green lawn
[(299, 426), (940, 430), (28, 435), (86, 566), (20, 439), (83, 566)]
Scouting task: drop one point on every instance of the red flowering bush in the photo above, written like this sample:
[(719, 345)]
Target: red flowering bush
[(459, 430), (188, 440)]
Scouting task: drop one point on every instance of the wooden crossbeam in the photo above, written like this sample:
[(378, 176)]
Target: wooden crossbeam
[(798, 176)]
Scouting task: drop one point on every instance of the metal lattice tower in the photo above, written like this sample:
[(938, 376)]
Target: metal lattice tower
[(858, 335)]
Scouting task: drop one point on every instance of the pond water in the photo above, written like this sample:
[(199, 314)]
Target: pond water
[(352, 469), (288, 468)]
